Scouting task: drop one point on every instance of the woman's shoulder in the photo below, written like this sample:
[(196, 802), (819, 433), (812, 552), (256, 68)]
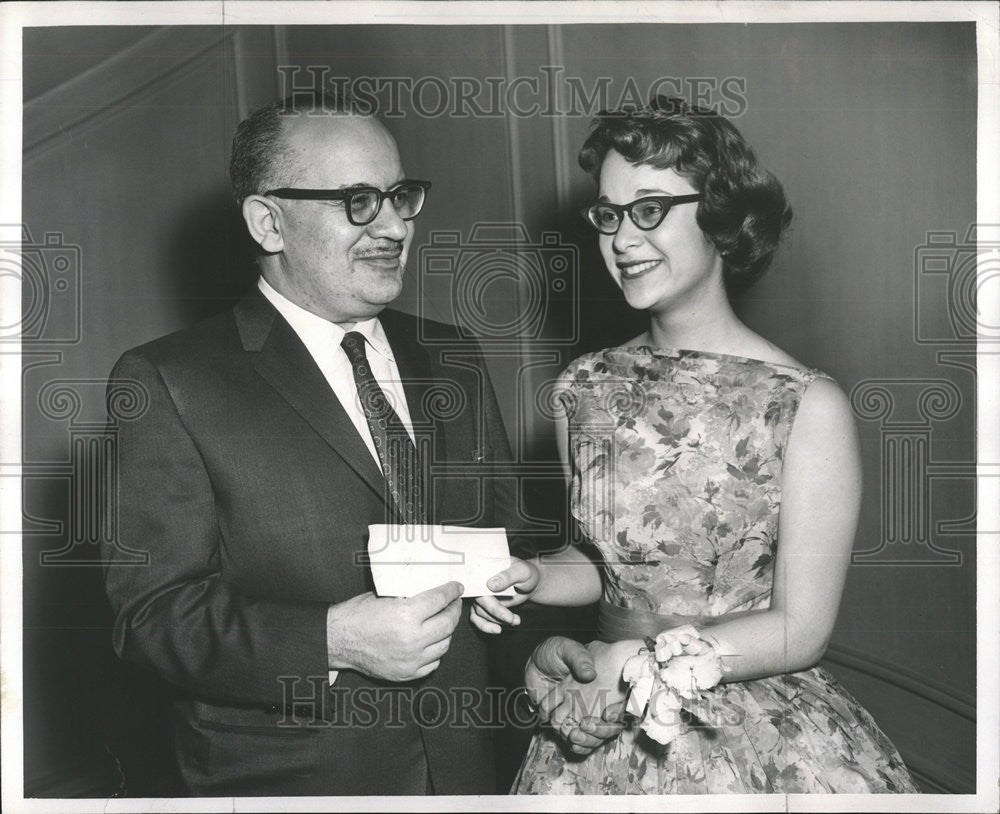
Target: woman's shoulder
[(759, 349), (824, 401), (823, 429), (764, 352), (776, 356)]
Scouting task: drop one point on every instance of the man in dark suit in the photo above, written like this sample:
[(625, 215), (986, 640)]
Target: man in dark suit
[(253, 474)]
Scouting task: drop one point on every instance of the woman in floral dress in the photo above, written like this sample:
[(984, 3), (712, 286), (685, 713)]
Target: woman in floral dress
[(691, 451)]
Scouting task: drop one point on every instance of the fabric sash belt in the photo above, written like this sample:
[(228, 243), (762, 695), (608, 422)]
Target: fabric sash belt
[(615, 623)]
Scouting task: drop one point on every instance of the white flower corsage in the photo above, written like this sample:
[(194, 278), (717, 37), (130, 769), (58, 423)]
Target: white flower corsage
[(672, 673)]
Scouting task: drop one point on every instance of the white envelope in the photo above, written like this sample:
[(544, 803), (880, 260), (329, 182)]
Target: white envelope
[(406, 560)]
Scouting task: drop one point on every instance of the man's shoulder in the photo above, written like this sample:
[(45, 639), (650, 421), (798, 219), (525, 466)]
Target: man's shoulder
[(211, 338)]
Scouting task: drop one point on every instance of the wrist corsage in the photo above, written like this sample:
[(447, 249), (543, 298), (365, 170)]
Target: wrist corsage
[(672, 673)]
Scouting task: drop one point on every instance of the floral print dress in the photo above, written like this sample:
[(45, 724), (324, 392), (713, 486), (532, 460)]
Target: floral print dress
[(676, 461)]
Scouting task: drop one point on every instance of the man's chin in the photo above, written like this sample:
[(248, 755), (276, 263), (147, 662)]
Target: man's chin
[(383, 295)]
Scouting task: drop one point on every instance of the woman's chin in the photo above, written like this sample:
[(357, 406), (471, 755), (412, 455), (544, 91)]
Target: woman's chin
[(639, 301)]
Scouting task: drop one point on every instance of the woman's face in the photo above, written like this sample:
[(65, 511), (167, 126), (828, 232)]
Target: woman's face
[(671, 268)]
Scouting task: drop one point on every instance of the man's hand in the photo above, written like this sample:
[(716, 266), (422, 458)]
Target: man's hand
[(391, 638), (554, 660), (578, 689)]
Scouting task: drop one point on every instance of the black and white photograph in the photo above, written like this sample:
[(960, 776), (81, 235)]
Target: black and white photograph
[(561, 406)]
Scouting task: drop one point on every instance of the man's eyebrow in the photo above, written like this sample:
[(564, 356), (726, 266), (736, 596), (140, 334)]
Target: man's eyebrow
[(371, 185)]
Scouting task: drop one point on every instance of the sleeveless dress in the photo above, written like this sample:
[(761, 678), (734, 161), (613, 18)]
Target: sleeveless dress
[(676, 460)]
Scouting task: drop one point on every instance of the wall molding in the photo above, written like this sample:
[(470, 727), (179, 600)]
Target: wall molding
[(562, 155), (234, 49), (516, 191), (512, 130), (279, 37), (911, 696), (928, 776), (105, 89), (903, 679)]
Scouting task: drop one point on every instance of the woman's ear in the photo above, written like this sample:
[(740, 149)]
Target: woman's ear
[(263, 219)]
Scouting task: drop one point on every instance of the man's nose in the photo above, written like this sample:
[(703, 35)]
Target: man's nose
[(388, 223)]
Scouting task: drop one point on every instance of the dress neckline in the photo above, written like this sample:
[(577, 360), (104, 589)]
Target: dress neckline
[(654, 351)]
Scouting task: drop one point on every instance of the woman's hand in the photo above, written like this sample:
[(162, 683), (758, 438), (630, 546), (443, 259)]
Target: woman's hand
[(489, 613), (678, 641)]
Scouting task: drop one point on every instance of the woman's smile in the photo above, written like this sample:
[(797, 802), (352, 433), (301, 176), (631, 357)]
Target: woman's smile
[(631, 269)]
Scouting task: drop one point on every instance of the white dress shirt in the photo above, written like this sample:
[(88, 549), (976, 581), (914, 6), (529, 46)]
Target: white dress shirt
[(322, 339)]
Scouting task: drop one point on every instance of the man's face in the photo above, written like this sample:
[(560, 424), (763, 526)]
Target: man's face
[(342, 272)]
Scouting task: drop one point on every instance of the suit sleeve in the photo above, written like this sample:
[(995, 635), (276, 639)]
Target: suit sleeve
[(507, 509), (175, 614)]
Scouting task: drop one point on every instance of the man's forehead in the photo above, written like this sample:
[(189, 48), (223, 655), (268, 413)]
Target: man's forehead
[(336, 147)]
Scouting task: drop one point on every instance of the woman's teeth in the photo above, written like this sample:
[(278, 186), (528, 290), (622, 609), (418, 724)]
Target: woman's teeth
[(638, 268)]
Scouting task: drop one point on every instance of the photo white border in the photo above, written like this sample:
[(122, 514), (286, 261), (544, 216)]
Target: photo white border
[(15, 16)]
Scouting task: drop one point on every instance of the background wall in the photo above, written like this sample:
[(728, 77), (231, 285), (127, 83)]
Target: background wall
[(870, 127)]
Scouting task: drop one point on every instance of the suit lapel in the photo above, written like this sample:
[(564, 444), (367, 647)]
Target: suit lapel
[(283, 361)]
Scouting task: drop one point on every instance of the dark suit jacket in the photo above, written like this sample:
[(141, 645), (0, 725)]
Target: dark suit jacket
[(251, 491)]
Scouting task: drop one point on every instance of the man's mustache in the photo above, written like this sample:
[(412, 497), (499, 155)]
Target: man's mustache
[(388, 248)]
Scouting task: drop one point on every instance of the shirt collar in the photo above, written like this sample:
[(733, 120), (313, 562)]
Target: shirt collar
[(312, 326)]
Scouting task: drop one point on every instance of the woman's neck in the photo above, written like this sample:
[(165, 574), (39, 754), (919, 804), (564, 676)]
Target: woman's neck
[(715, 328)]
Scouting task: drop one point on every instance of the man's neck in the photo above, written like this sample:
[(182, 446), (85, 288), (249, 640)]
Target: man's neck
[(286, 301)]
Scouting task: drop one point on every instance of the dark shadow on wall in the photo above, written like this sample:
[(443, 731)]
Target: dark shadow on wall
[(94, 726), (68, 662), (211, 256)]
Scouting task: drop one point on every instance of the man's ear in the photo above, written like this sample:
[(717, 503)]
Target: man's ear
[(262, 218)]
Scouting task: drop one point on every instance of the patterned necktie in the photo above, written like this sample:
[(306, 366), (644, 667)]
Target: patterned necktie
[(395, 449)]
